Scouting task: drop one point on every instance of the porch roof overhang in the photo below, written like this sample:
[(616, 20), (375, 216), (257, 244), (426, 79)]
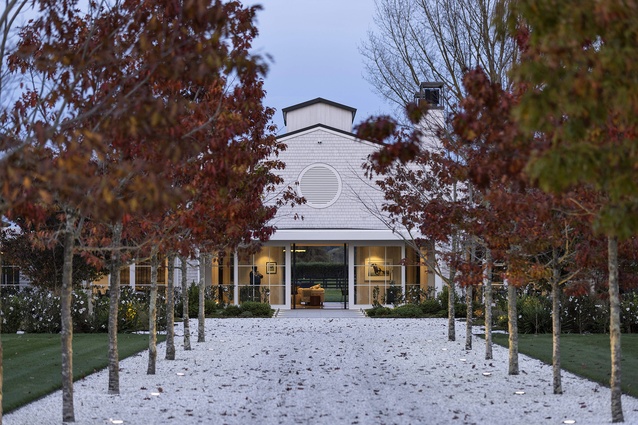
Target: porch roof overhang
[(334, 235)]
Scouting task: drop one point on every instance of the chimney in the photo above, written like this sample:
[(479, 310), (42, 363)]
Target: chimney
[(432, 93)]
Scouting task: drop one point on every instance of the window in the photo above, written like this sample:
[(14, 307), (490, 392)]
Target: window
[(10, 275)]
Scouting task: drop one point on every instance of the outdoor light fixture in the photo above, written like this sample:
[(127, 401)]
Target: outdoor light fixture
[(443, 349), (117, 421), (155, 394), (463, 360), (487, 373), (519, 392), (569, 421), (180, 373)]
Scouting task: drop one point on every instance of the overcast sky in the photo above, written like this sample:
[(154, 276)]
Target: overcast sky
[(315, 49), (314, 45)]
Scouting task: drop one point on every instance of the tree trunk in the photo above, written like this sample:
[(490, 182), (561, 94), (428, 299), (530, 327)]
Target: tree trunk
[(152, 315), (187, 328), (451, 331), (556, 294), (114, 303), (201, 317), (1, 353), (488, 305), (468, 324), (66, 334), (170, 309), (614, 331), (512, 328)]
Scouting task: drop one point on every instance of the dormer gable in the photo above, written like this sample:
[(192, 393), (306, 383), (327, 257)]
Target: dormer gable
[(319, 111)]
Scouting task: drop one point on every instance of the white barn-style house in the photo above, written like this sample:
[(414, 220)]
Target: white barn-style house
[(340, 254), (368, 261)]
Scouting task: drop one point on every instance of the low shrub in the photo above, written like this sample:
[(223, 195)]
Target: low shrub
[(232, 311), (210, 304), (407, 310), (248, 309), (256, 309), (431, 307), (460, 310), (534, 314), (378, 311)]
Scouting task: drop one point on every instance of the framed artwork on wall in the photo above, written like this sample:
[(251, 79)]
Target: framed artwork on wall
[(271, 267), (379, 270)]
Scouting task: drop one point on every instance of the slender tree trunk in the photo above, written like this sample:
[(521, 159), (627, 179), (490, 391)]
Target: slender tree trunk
[(152, 316), (488, 305), (556, 294), (187, 328), (469, 322), (614, 331), (170, 309), (66, 295), (1, 352), (114, 303), (201, 317), (512, 327), (451, 331)]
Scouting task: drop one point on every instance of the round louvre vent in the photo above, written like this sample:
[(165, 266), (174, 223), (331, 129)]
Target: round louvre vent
[(320, 184)]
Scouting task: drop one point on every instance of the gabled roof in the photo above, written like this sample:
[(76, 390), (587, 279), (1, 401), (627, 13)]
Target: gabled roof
[(315, 101), (327, 127)]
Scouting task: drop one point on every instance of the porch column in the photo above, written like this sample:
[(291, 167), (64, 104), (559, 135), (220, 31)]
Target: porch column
[(351, 275), (288, 274), (236, 279), (131, 275), (403, 271)]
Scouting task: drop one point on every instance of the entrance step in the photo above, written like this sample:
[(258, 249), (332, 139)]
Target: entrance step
[(320, 313)]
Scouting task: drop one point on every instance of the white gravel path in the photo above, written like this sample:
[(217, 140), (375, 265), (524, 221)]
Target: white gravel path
[(331, 371)]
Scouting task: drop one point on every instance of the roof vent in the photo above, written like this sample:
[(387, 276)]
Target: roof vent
[(320, 184)]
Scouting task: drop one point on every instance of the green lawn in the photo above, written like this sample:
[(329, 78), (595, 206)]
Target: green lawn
[(584, 355), (32, 362), (333, 295)]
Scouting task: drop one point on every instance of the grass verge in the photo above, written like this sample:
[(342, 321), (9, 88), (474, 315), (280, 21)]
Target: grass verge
[(32, 362), (584, 355)]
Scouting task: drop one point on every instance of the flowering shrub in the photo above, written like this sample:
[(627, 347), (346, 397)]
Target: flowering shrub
[(41, 312), (629, 313), (13, 307), (584, 314), (37, 310)]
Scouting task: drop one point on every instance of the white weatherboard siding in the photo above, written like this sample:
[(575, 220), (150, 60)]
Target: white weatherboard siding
[(345, 154), (317, 112)]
